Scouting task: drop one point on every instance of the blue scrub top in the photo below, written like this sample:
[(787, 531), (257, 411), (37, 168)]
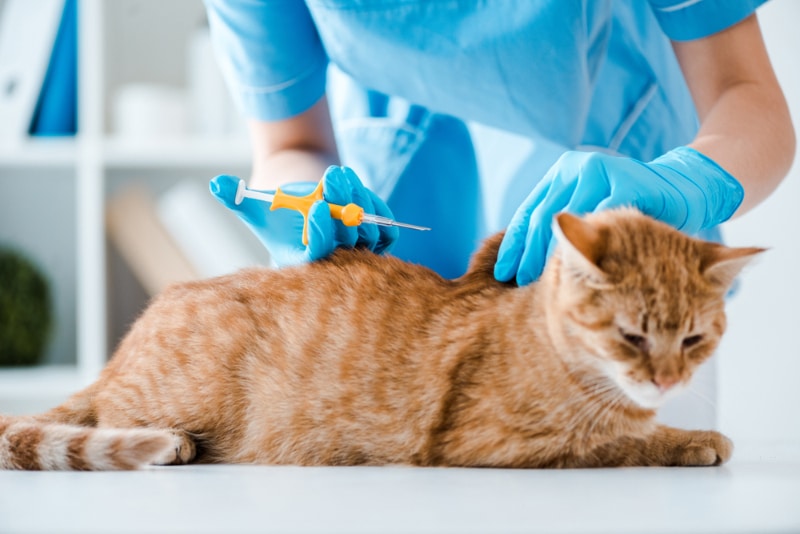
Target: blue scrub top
[(576, 74)]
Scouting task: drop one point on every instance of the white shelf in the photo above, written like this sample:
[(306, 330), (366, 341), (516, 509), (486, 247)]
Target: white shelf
[(122, 153), (40, 153), (175, 153)]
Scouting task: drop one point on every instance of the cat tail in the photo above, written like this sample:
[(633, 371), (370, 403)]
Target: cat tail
[(28, 444), (480, 272)]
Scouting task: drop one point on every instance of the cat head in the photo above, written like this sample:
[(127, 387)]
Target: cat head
[(641, 300)]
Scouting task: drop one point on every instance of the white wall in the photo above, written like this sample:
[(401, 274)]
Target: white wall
[(759, 367)]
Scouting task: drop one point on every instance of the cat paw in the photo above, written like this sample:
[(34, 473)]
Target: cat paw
[(705, 448), (183, 450)]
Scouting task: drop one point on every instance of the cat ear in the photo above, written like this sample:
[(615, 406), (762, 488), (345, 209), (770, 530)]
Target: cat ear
[(721, 264), (583, 246)]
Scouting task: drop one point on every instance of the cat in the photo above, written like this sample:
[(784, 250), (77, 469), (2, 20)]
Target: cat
[(361, 359)]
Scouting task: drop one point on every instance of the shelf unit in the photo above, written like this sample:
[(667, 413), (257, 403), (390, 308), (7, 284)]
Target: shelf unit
[(109, 56)]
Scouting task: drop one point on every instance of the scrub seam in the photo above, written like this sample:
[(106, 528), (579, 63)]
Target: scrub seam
[(367, 122), (274, 88), (626, 125), (678, 7)]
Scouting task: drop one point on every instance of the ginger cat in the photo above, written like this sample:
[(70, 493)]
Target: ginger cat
[(363, 359)]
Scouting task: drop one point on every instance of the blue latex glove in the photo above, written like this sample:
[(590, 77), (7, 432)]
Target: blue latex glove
[(281, 230), (682, 188)]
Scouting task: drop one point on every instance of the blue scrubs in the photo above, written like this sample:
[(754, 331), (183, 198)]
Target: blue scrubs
[(404, 75)]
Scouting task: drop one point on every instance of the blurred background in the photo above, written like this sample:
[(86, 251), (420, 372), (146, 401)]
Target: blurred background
[(103, 215), (111, 211)]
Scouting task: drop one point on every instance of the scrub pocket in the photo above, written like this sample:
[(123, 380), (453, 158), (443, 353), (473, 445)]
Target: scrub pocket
[(421, 163), (379, 149)]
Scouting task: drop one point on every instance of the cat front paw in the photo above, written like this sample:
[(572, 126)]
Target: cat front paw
[(704, 448)]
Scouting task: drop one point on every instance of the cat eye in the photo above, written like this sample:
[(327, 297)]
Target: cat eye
[(691, 341), (640, 342)]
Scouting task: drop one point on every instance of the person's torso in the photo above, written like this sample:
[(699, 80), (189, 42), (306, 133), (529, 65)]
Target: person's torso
[(578, 73)]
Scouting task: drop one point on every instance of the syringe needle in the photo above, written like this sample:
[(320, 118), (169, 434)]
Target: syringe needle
[(385, 221), (411, 226)]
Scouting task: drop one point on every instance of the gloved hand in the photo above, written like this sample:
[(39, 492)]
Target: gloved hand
[(281, 230), (682, 188)]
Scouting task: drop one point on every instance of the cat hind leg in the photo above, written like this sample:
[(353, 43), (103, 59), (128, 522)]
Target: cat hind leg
[(77, 410), (135, 448), (183, 450)]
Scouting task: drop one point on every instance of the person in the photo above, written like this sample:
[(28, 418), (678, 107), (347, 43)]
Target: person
[(670, 106), (598, 79)]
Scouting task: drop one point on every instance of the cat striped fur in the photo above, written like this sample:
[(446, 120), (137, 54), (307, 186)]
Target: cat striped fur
[(361, 359)]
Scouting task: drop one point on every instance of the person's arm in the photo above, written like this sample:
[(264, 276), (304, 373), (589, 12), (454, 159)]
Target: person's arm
[(745, 123), (275, 65), (742, 151), (297, 149), (273, 59), (294, 154)]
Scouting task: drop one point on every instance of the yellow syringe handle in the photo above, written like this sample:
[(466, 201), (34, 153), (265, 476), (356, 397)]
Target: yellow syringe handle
[(350, 215)]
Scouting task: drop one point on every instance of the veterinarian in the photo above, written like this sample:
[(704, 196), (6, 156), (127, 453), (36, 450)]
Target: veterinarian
[(668, 105)]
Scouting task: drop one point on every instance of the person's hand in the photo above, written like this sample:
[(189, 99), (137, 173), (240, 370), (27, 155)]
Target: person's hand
[(281, 230), (682, 188)]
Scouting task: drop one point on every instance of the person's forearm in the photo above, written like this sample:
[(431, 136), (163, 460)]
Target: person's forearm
[(290, 165), (748, 132), (745, 122), (298, 149)]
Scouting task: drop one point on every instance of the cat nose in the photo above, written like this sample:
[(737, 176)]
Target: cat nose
[(663, 383)]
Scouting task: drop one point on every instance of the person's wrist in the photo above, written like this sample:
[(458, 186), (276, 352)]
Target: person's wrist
[(289, 165), (722, 192)]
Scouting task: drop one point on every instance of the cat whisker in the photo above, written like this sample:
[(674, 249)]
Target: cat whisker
[(702, 397)]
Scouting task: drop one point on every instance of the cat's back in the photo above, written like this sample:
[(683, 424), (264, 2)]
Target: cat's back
[(348, 280), (353, 303)]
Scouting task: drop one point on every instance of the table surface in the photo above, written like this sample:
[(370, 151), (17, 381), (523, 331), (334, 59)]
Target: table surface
[(756, 492)]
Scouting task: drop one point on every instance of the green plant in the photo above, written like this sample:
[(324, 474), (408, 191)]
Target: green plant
[(25, 310)]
